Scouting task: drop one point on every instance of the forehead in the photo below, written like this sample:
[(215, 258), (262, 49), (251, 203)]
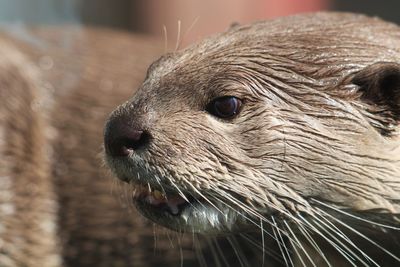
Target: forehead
[(296, 49)]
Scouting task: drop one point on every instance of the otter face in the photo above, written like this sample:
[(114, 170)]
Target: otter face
[(265, 122)]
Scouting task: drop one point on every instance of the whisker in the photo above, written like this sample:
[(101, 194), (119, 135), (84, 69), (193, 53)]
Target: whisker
[(344, 246), (180, 248), (297, 253), (361, 235), (154, 238), (332, 243), (273, 254), (188, 30), (250, 212), (204, 197), (299, 245), (180, 192), (161, 186), (124, 196), (165, 39), (213, 252), (178, 36), (263, 242), (236, 202), (280, 248), (313, 243), (170, 240), (270, 205), (220, 252), (239, 254), (356, 217), (342, 235), (283, 248), (199, 253)]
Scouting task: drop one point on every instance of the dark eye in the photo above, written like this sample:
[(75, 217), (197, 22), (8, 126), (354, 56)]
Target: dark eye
[(225, 107)]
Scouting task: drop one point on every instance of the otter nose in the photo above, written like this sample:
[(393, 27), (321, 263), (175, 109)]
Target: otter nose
[(121, 139)]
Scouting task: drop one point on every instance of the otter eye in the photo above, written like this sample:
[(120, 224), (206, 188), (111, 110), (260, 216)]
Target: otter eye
[(225, 107)]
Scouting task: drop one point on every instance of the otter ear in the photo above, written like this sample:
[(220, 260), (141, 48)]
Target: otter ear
[(380, 85)]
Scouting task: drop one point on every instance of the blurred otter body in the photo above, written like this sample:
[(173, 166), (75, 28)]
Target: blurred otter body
[(27, 202)]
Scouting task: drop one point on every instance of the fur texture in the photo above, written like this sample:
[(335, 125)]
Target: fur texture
[(314, 145)]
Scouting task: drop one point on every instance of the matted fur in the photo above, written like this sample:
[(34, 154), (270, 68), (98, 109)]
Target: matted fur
[(306, 154)]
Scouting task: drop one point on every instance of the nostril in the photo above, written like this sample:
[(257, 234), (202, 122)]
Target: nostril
[(122, 140), (123, 146), (135, 141)]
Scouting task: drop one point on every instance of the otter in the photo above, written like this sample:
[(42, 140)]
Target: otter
[(58, 206), (286, 129)]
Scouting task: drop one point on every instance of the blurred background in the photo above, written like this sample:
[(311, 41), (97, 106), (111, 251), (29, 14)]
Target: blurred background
[(198, 18)]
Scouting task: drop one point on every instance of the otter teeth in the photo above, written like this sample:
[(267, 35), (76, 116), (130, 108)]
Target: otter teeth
[(158, 195), (157, 198)]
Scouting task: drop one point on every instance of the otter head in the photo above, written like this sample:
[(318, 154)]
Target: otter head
[(270, 122)]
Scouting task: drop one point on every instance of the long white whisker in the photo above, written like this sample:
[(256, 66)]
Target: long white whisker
[(282, 247), (271, 205), (297, 253), (332, 243), (220, 252), (204, 197), (188, 30), (342, 235), (356, 217), (299, 245), (263, 242), (199, 252), (236, 248), (155, 237), (170, 240), (180, 192), (272, 253), (245, 209), (361, 235), (180, 248), (165, 39), (178, 36), (213, 252), (305, 233)]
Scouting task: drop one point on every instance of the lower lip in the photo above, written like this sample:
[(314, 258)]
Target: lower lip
[(172, 205)]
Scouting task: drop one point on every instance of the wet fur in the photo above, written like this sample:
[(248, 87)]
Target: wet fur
[(314, 142)]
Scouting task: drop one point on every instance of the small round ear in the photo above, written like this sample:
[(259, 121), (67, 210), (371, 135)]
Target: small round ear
[(379, 84)]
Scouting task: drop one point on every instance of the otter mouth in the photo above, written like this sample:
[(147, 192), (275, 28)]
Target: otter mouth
[(161, 202), (185, 214)]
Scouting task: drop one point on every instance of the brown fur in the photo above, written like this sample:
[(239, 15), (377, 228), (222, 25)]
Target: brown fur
[(58, 207), (27, 202), (317, 134)]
